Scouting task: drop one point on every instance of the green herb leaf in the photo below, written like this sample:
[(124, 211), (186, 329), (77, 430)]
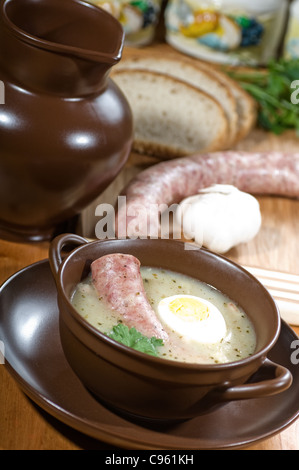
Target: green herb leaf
[(271, 88), (136, 340)]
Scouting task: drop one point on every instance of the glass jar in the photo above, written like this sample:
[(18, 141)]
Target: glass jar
[(226, 31), (291, 47), (138, 18)]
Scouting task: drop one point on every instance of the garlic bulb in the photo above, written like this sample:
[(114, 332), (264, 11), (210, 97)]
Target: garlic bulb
[(220, 217)]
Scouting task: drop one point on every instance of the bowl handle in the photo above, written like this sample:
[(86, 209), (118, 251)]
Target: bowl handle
[(56, 248), (282, 381)]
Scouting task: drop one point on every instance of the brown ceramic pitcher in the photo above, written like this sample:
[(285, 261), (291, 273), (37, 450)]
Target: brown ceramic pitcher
[(65, 127)]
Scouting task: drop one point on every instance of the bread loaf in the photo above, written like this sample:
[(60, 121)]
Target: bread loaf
[(202, 78), (172, 117)]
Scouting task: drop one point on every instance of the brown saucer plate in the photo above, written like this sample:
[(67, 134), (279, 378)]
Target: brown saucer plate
[(34, 357)]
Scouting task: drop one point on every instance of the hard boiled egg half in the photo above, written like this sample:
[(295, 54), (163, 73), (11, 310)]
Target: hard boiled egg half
[(193, 318)]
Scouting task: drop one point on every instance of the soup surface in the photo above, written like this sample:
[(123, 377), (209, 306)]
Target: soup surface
[(225, 335)]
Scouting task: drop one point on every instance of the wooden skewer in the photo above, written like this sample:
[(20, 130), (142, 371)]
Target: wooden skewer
[(284, 288)]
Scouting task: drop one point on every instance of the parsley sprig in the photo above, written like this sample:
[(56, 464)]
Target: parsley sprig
[(136, 340), (271, 88)]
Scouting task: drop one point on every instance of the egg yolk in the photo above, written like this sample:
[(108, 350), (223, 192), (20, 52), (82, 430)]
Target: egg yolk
[(189, 310), (192, 318)]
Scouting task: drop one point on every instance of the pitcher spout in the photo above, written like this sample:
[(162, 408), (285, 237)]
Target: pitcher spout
[(66, 47)]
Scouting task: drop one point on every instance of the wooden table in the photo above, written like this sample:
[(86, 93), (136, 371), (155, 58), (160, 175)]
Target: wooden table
[(24, 426)]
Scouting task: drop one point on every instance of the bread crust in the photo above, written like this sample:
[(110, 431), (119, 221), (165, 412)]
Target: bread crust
[(200, 77), (169, 149), (243, 116), (246, 105)]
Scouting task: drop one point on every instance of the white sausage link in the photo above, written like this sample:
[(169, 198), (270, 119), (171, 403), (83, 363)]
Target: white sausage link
[(169, 182)]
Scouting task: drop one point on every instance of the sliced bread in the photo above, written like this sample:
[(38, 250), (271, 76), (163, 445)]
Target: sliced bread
[(246, 105), (172, 118), (201, 78)]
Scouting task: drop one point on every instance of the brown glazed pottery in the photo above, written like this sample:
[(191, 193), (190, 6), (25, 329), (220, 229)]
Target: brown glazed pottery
[(147, 387), (65, 127)]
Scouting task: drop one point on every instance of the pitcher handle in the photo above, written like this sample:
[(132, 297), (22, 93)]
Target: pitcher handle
[(282, 381), (56, 248)]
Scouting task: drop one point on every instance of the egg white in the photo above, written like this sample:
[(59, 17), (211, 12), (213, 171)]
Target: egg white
[(197, 319)]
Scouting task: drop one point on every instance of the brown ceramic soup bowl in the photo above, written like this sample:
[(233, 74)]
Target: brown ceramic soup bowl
[(144, 386)]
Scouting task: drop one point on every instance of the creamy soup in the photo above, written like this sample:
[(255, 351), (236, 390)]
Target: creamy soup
[(217, 332)]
